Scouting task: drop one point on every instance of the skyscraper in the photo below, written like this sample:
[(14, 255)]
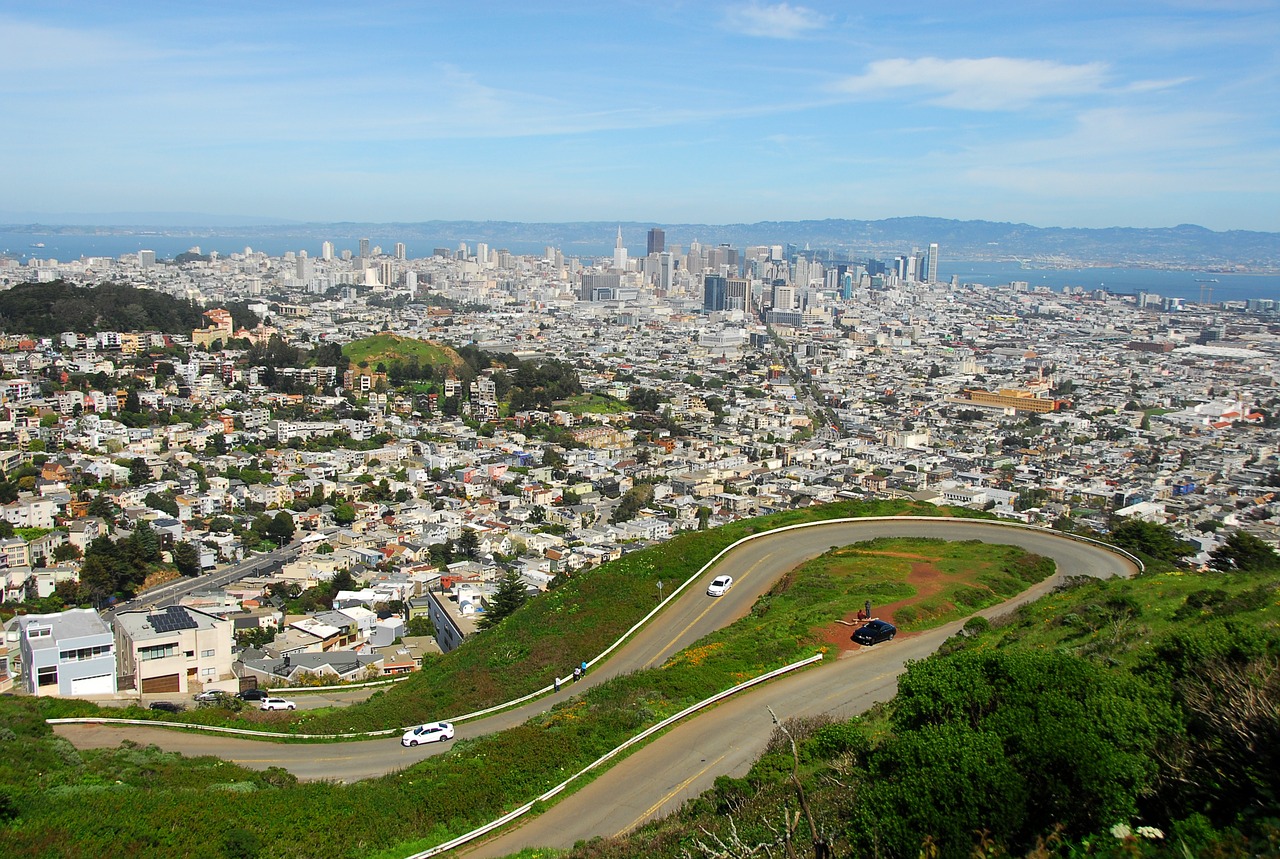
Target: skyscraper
[(399, 250), (931, 276), (326, 251), (715, 292), (364, 249), (657, 241), (619, 253)]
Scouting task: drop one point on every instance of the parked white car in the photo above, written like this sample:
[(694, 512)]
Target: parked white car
[(719, 586), (431, 732), (278, 704)]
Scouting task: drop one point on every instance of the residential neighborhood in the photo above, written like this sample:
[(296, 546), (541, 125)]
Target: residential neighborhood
[(415, 431)]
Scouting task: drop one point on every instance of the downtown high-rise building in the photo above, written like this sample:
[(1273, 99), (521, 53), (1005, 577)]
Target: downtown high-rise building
[(326, 251), (400, 250), (364, 249), (657, 242), (715, 292)]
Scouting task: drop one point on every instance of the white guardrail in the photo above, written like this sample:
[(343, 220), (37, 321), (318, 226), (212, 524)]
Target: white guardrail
[(621, 639)]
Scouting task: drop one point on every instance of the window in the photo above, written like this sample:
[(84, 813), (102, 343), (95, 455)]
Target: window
[(39, 631), (207, 672), (84, 653), (189, 653), (47, 676), (206, 654), (157, 651)]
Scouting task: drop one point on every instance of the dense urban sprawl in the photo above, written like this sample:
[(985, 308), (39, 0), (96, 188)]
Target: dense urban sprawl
[(415, 438)]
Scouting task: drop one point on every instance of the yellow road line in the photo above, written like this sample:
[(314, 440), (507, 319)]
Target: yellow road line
[(667, 798), (703, 614)]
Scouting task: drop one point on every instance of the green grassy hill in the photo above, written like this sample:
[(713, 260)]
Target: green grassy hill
[(388, 347)]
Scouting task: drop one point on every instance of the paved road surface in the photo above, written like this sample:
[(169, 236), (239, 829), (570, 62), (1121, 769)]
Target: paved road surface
[(687, 759)]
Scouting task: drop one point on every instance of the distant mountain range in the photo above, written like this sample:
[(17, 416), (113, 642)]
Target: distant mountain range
[(1183, 246)]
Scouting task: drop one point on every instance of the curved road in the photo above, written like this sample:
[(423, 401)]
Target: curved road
[(685, 761)]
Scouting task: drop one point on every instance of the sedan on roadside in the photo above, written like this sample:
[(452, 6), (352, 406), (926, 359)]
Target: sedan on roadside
[(431, 732), (875, 632), (719, 586)]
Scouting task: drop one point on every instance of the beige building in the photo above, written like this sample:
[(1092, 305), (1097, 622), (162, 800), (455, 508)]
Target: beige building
[(173, 649)]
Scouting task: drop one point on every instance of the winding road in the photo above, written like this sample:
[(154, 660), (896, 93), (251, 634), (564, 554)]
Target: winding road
[(686, 760)]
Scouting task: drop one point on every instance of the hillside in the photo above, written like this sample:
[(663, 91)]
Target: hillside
[(386, 348), (48, 309), (1112, 718)]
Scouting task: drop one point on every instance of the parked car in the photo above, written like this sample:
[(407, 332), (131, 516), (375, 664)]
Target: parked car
[(166, 706), (875, 632), (211, 696), (278, 704), (431, 732), (252, 694), (719, 586)]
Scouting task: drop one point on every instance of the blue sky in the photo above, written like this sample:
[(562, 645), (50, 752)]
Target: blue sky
[(1054, 113)]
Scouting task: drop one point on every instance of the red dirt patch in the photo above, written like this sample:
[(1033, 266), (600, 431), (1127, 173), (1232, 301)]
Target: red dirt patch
[(924, 577)]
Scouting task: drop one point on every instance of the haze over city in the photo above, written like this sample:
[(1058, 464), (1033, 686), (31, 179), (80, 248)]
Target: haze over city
[(1092, 114)]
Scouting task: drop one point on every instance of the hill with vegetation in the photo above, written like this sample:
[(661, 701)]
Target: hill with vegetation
[(48, 309), (388, 349)]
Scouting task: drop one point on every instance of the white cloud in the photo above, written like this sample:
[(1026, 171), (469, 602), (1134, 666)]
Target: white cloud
[(990, 83), (781, 20)]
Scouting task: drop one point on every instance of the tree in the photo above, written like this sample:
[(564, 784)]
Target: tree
[(1151, 539), (1245, 552), (1010, 743), (420, 625), (186, 557), (102, 507), (139, 473), (469, 543), (281, 527), (508, 597), (162, 503), (344, 514), (96, 581), (143, 545), (66, 552)]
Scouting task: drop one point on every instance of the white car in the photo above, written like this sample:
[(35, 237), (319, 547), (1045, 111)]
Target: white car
[(278, 704), (719, 585), (431, 732)]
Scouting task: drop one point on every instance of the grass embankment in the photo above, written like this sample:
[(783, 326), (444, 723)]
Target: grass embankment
[(431, 801), (1152, 701)]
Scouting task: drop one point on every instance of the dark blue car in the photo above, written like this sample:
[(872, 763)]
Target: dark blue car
[(875, 632)]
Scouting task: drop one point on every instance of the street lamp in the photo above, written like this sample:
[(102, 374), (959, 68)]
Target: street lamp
[(659, 591)]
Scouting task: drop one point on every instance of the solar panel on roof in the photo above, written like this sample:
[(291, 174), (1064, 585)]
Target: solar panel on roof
[(172, 619)]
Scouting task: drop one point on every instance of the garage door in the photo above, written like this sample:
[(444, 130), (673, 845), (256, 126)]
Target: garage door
[(165, 683), (100, 685)]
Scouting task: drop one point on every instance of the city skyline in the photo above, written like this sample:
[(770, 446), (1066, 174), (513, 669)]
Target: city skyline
[(1088, 115)]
